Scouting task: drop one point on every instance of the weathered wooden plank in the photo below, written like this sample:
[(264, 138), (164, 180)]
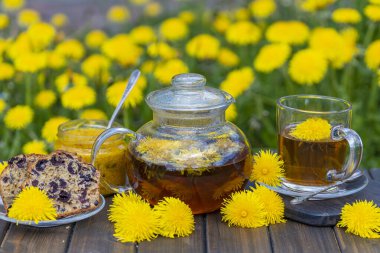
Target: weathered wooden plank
[(221, 238), (193, 243), (350, 243), (39, 240), (96, 235), (297, 237)]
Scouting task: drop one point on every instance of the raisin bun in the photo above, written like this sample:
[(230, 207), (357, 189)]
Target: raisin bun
[(72, 184), (13, 177)]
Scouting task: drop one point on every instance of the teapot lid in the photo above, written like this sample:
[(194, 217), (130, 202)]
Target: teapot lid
[(189, 93)]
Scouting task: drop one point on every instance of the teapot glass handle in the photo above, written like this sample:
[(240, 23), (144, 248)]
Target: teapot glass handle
[(95, 149)]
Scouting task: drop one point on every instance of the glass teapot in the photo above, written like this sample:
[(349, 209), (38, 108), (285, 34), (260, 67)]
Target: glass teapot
[(188, 150)]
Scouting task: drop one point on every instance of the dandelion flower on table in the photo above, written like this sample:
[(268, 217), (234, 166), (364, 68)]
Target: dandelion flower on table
[(162, 50), (173, 29), (262, 8), (50, 128), (268, 168), (3, 165), (228, 58), (290, 32), (175, 217), (118, 14), (18, 117), (3, 105), (243, 33), (371, 56), (243, 209), (203, 47), (34, 147), (68, 79), (312, 129), (231, 113), (165, 71), (307, 67), (361, 218), (346, 15), (271, 57), (95, 38), (315, 5), (6, 71), (77, 97), (31, 62), (45, 99), (115, 91), (238, 81), (93, 114), (27, 17), (153, 9), (71, 49), (372, 12), (32, 204), (96, 66), (59, 20), (4, 21), (40, 35), (143, 35), (122, 49), (121, 202), (273, 204), (221, 23), (12, 5), (187, 16)]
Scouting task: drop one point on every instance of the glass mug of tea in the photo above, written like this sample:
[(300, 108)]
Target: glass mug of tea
[(315, 141)]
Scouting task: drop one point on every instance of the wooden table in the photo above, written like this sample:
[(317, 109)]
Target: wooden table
[(211, 235)]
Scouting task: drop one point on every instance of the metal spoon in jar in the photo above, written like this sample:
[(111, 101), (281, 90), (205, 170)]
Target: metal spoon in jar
[(301, 199)]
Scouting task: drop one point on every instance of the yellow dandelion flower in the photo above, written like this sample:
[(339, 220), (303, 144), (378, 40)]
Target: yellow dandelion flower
[(241, 14), (3, 104), (96, 66), (153, 9), (19, 47), (27, 17), (350, 35), (268, 168), (361, 218), (72, 49), (148, 66), (228, 58), (273, 204), (308, 67), (134, 220), (231, 113), (162, 50), (4, 21), (4, 44), (40, 35), (374, 1), (12, 5), (77, 97), (290, 32), (238, 81), (118, 14), (3, 165), (18, 117), (187, 16), (115, 91), (50, 129), (143, 35), (372, 53), (243, 209), (243, 33), (166, 70), (346, 15), (93, 114), (372, 12), (95, 38), (65, 80), (312, 129), (221, 23), (34, 147), (175, 217), (45, 99), (31, 62), (173, 29), (6, 71), (55, 60), (271, 57), (59, 20), (122, 49), (262, 8), (203, 47), (315, 5), (32, 204)]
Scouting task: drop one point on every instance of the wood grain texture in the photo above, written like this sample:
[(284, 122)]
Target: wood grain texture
[(350, 243), (95, 235), (221, 238), (21, 238), (193, 243), (296, 237)]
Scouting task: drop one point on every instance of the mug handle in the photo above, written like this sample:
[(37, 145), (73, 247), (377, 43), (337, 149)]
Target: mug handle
[(96, 147), (355, 154)]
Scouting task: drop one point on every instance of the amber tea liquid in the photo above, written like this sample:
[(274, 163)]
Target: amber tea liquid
[(306, 163)]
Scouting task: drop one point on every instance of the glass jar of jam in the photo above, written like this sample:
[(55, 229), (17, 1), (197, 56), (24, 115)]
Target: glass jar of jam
[(78, 136)]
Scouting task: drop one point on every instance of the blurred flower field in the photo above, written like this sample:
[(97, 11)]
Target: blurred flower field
[(258, 52)]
